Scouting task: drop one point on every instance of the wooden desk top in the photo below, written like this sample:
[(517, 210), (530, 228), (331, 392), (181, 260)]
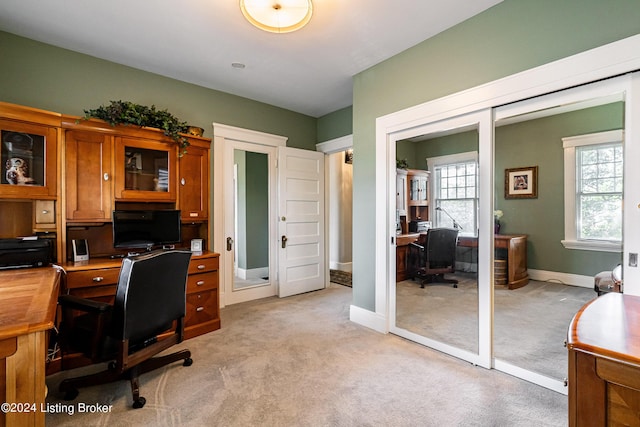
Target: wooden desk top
[(28, 299), (106, 262), (608, 326)]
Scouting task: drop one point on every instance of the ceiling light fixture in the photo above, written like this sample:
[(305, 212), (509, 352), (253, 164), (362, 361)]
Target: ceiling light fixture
[(277, 16)]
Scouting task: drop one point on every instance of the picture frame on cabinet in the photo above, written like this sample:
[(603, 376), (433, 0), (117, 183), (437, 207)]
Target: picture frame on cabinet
[(521, 183)]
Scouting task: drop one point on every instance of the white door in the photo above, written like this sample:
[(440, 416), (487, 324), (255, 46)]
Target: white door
[(301, 257)]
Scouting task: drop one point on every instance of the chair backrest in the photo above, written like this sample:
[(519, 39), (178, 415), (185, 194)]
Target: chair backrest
[(440, 246), (150, 294)]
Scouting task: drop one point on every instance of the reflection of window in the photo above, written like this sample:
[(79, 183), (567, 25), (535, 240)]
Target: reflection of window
[(455, 191), (593, 191)]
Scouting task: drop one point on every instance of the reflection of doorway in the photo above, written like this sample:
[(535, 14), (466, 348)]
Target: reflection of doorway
[(251, 202), (339, 199), (340, 212)]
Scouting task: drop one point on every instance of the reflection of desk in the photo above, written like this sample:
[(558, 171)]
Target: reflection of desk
[(27, 306), (516, 255), (402, 245)]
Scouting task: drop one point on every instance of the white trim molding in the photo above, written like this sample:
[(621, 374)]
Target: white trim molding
[(335, 145)]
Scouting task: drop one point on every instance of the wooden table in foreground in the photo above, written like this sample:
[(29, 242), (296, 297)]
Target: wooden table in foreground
[(28, 299), (604, 362)]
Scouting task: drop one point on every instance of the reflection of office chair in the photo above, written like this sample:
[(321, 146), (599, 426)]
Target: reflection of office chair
[(433, 255), (150, 300)]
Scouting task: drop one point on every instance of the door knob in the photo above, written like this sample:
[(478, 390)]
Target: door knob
[(229, 243), (284, 242)]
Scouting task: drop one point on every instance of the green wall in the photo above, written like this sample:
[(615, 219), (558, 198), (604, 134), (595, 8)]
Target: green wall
[(510, 37), (43, 76), (539, 143), (336, 124), (253, 209), (257, 186)]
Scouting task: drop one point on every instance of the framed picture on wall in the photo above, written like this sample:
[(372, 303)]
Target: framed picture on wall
[(521, 183)]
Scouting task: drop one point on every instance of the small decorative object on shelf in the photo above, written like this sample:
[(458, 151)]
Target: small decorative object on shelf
[(496, 217), (128, 113), (195, 131)]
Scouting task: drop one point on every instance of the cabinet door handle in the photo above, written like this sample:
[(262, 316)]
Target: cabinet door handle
[(183, 181), (105, 176), (44, 212), (98, 279), (201, 267), (200, 283), (200, 309), (284, 241)]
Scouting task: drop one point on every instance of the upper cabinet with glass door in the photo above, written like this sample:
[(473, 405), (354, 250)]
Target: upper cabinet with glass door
[(145, 170), (418, 187), (29, 140)]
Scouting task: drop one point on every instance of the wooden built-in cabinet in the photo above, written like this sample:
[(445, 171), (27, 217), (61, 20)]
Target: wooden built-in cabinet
[(76, 172), (418, 187), (193, 183), (88, 176), (29, 152), (145, 170), (401, 191)]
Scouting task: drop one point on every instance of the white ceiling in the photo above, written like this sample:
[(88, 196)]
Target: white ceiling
[(309, 71)]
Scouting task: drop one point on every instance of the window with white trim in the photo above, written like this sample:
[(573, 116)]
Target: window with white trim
[(455, 191), (593, 191)]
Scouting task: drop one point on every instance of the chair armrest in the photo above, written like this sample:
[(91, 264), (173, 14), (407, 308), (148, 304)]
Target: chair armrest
[(84, 304)]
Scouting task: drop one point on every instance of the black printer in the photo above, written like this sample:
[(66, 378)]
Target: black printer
[(25, 252)]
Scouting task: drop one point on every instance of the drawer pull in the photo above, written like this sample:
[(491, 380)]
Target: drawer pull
[(98, 279), (200, 282), (201, 267), (200, 309)]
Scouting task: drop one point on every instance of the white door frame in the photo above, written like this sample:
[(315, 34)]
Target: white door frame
[(225, 136)]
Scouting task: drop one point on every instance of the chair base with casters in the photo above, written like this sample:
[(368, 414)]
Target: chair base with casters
[(433, 278), (117, 369), (146, 319)]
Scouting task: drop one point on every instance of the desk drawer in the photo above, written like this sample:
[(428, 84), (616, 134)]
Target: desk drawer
[(200, 265), (202, 282), (201, 307), (87, 278)]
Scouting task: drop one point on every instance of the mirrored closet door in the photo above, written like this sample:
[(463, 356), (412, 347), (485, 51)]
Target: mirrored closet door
[(559, 163), (436, 295)]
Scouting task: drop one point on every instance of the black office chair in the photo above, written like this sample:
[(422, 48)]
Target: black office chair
[(146, 318), (433, 255)]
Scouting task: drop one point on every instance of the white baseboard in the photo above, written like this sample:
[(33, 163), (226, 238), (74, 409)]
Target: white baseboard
[(368, 319), (253, 273), (564, 278), (342, 266)]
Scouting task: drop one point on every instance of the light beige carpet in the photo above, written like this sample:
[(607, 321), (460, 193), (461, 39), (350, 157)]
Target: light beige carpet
[(299, 361)]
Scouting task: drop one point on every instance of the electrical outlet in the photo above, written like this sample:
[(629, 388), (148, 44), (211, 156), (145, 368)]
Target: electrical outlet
[(633, 259)]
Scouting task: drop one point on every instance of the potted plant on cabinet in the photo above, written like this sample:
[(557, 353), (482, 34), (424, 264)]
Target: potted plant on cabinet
[(129, 113)]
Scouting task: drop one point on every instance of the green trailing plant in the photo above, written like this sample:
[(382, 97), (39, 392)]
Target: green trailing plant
[(128, 113)]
